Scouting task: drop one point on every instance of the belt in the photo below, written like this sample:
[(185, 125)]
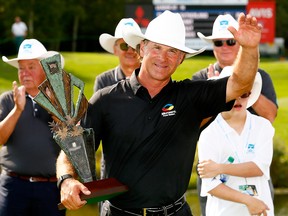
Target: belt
[(159, 211), (30, 178)]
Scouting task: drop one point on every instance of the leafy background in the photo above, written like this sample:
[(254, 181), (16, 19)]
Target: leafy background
[(75, 25)]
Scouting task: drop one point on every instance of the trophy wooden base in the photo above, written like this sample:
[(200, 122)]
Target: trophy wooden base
[(101, 190)]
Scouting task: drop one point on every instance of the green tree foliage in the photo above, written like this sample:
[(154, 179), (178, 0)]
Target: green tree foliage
[(68, 25), (281, 20), (75, 25)]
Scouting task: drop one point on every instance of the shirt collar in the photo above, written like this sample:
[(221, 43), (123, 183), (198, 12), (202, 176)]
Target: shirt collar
[(136, 86), (119, 74), (228, 129)]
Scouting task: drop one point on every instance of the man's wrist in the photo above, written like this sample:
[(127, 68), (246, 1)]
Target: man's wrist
[(62, 178)]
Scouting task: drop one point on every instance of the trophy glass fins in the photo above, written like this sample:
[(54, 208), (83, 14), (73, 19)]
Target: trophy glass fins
[(57, 97)]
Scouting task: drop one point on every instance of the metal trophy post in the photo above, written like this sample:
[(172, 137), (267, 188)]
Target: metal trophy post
[(56, 96)]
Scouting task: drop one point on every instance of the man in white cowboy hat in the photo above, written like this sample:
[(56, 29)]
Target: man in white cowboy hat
[(28, 152), (248, 140), (149, 124), (225, 49), (128, 57)]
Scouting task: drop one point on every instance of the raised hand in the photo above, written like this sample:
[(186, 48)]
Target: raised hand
[(248, 34), (212, 72), (19, 96)]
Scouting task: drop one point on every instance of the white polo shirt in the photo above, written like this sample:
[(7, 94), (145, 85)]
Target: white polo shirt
[(19, 29), (219, 141)]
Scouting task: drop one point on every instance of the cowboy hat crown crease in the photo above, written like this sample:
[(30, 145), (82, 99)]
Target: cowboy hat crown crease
[(174, 35), (168, 29), (220, 28)]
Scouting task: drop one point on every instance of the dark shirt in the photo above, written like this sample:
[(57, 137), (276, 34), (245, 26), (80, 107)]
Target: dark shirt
[(108, 78), (267, 85), (30, 150), (149, 143), (103, 80)]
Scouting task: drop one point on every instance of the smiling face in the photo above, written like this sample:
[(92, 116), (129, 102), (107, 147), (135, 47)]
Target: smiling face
[(160, 61), (31, 75)]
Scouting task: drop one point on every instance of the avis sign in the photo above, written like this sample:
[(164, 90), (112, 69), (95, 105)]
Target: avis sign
[(265, 14)]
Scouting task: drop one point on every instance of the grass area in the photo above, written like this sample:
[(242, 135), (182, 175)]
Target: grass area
[(87, 66)]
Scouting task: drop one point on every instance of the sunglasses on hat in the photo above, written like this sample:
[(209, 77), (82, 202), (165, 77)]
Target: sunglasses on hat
[(124, 46), (229, 42)]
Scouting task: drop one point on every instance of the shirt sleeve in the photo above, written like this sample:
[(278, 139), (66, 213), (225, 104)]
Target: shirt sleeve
[(6, 104), (210, 96), (268, 87), (200, 75)]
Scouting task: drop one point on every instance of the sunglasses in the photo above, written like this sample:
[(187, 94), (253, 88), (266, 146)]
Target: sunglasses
[(124, 46), (245, 95), (219, 43)]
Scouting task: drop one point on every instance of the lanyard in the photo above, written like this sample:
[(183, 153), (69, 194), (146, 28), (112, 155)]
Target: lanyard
[(234, 144), (220, 123)]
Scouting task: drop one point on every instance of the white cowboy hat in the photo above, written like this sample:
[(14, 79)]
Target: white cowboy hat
[(256, 89), (220, 28), (107, 41), (168, 29), (31, 49)]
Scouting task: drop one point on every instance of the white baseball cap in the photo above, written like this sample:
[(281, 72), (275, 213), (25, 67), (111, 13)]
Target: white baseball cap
[(220, 28), (31, 49), (168, 29), (107, 41)]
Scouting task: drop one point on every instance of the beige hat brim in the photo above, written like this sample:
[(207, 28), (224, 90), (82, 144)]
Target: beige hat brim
[(14, 62), (107, 42), (209, 39), (256, 88)]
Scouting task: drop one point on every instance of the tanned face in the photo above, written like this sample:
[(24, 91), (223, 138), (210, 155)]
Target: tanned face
[(31, 75)]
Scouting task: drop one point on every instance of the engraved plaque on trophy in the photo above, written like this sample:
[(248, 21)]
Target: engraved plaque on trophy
[(57, 97)]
